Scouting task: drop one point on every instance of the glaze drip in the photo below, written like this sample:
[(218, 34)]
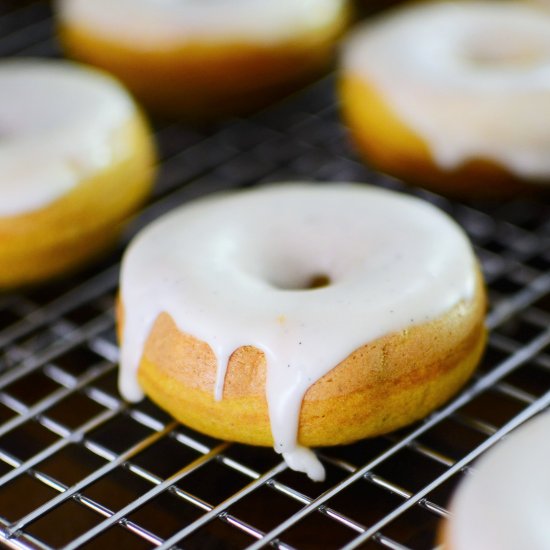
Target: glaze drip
[(216, 266)]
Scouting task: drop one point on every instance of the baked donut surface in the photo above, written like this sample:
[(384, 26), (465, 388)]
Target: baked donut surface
[(75, 160), (452, 95), (204, 60), (221, 324), (503, 503)]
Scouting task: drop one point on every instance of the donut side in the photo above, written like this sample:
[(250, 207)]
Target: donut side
[(205, 80), (378, 388), (388, 144), (47, 242)]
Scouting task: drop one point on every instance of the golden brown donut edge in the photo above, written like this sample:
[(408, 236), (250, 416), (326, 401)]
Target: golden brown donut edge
[(389, 145)]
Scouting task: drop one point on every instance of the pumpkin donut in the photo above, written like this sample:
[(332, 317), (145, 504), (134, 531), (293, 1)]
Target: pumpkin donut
[(76, 159), (299, 315), (204, 60), (453, 96)]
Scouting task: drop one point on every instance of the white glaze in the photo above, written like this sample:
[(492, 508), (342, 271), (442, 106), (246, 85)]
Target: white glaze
[(228, 269), (505, 504), (144, 24), (57, 122), (471, 78)]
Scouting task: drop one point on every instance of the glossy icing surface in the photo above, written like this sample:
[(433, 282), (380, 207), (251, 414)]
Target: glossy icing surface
[(233, 270), (167, 22), (504, 503), (57, 120), (472, 79)]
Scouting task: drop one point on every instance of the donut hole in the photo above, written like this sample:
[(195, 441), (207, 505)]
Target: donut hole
[(312, 282), (506, 49), (319, 280)]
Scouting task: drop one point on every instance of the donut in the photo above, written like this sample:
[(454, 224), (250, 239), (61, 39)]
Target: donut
[(204, 60), (503, 504), (300, 315), (453, 96), (75, 160)]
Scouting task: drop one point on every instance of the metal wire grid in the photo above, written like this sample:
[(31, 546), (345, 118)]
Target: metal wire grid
[(81, 468)]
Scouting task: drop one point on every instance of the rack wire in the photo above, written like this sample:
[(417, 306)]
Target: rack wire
[(79, 467)]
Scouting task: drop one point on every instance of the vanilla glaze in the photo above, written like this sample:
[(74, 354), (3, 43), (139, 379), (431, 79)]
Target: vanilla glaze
[(58, 125), (231, 271), (164, 23), (504, 504), (472, 79)]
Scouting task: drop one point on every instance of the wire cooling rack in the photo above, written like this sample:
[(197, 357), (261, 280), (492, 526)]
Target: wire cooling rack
[(81, 468)]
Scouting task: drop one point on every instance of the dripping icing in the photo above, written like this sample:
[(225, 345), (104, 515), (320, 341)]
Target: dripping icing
[(227, 296)]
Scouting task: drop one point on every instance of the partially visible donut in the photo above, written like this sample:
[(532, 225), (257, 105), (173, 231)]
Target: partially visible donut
[(224, 323), (75, 160), (503, 504), (203, 59), (453, 96)]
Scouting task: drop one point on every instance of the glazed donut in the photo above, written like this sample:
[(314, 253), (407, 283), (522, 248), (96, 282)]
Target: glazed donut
[(298, 315), (75, 160), (503, 504), (205, 59), (453, 96)]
